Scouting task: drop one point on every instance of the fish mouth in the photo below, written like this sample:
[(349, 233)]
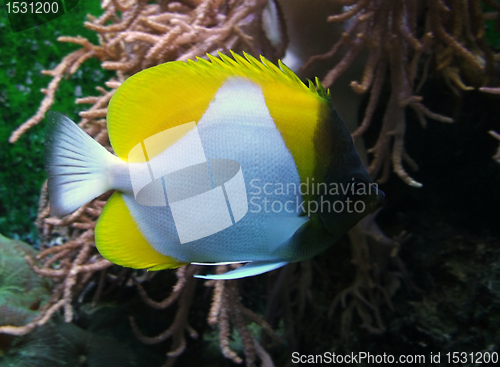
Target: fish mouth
[(380, 199)]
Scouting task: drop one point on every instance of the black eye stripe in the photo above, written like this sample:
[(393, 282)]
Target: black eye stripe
[(356, 184)]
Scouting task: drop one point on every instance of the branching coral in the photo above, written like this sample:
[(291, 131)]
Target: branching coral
[(496, 156), (372, 286), (399, 40), (228, 310), (138, 34), (183, 293), (402, 37)]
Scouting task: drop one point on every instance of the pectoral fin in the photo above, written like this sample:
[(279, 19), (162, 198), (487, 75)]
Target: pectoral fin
[(247, 270)]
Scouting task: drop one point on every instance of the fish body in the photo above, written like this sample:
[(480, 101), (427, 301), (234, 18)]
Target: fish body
[(210, 159)]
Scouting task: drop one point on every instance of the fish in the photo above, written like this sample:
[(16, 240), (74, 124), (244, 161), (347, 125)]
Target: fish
[(216, 161)]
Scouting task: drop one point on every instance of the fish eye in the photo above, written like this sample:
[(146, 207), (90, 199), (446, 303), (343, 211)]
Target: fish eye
[(356, 185)]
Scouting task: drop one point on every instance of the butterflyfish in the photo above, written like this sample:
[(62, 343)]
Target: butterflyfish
[(218, 161)]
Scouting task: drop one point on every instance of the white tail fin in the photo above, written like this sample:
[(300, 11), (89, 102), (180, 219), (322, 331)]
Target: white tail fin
[(77, 166)]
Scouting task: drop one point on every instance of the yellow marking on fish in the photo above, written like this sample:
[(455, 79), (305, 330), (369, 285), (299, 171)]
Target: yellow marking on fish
[(119, 239), (175, 93)]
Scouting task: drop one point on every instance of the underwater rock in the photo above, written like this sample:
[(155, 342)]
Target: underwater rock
[(56, 343), (59, 344), (22, 291)]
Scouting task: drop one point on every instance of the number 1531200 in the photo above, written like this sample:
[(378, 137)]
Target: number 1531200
[(32, 7)]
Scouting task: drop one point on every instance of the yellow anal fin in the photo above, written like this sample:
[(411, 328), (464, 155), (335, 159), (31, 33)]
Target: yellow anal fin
[(119, 239)]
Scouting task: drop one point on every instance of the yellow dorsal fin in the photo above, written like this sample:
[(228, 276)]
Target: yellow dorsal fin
[(177, 92), (119, 239)]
